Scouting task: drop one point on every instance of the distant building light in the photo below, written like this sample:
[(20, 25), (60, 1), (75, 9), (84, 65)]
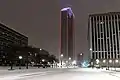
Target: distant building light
[(101, 22), (90, 49), (35, 54), (48, 62), (20, 57), (3, 56)]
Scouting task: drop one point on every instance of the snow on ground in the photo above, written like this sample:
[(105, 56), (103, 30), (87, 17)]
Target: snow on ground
[(76, 74), (64, 74), (6, 74)]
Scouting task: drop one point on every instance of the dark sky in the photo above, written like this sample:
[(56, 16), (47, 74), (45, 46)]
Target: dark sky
[(39, 19)]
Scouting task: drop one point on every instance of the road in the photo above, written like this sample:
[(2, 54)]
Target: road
[(67, 74)]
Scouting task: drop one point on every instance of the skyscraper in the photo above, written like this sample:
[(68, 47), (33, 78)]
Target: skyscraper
[(104, 38), (67, 33)]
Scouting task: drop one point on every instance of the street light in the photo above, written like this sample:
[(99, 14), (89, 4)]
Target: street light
[(110, 61), (40, 49), (104, 61), (20, 57), (69, 61), (116, 61), (43, 60), (66, 61), (69, 58), (61, 59), (81, 54), (61, 55), (115, 65)]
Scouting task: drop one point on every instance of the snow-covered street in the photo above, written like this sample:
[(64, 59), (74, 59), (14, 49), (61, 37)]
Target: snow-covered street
[(63, 74)]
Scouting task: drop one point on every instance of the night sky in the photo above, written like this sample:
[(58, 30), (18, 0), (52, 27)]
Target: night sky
[(39, 19)]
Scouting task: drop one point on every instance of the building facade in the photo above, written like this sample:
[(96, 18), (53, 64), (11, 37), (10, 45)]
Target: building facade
[(9, 37), (104, 38), (67, 33)]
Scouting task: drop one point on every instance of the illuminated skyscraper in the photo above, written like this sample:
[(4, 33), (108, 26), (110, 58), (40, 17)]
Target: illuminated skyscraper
[(67, 33)]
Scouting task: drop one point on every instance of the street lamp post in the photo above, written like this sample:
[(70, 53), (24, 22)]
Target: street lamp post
[(20, 57), (116, 62), (61, 56), (110, 61), (43, 60), (81, 59), (104, 61), (69, 61), (27, 60)]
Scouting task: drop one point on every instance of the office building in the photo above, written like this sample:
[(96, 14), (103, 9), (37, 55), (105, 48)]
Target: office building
[(67, 34), (9, 37), (104, 38)]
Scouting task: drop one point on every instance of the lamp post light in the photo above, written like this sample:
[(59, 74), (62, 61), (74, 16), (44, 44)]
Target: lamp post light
[(20, 58), (81, 54), (116, 61), (81, 58), (69, 61), (61, 57), (69, 58), (104, 61), (43, 60), (40, 49), (110, 61)]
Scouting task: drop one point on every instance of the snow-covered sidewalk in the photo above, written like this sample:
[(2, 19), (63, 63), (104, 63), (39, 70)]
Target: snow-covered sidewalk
[(112, 71), (5, 72), (115, 72)]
